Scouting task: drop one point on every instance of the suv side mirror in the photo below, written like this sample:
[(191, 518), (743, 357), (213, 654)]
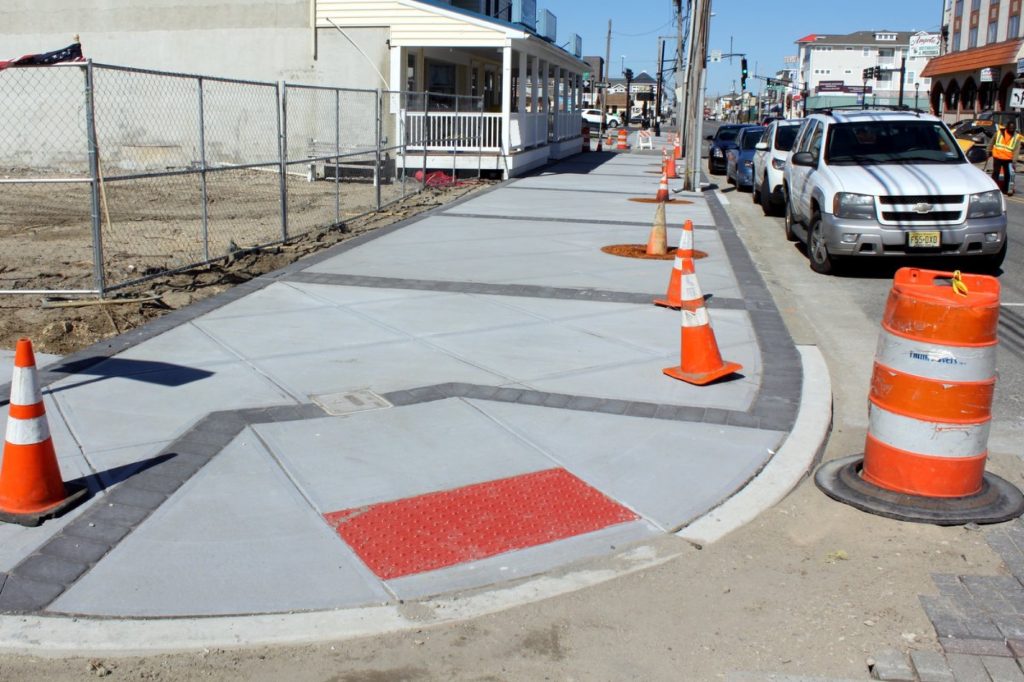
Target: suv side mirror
[(802, 159), (761, 146)]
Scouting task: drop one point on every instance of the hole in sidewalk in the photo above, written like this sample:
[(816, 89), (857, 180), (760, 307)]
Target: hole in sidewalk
[(640, 251)]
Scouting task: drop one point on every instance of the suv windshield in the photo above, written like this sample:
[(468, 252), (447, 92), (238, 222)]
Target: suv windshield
[(785, 136), (874, 142), (751, 136)]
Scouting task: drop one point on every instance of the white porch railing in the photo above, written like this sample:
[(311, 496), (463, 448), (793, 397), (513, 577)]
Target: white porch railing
[(529, 130), (448, 130), (566, 124)]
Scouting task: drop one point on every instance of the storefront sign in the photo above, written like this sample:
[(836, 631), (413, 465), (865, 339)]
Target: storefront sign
[(988, 75), (923, 44), (840, 87)]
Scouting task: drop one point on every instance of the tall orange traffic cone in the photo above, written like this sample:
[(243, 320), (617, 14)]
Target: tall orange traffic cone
[(657, 242), (623, 142), (682, 272), (662, 194), (611, 139), (700, 362), (677, 149), (670, 166), (31, 487)]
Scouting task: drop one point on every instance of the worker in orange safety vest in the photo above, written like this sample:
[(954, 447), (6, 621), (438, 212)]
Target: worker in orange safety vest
[(1005, 145)]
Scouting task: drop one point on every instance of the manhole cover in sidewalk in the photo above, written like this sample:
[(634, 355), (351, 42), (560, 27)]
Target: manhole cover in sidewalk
[(351, 401)]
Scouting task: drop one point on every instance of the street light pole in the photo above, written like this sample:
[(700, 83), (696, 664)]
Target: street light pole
[(700, 19)]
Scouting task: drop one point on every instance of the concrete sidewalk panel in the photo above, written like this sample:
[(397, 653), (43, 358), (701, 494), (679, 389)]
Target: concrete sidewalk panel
[(540, 203), (7, 365), (446, 314), (522, 563), (387, 455), (670, 472), (187, 345), (380, 368), (121, 411), (344, 296), (236, 538), (270, 300), (296, 332)]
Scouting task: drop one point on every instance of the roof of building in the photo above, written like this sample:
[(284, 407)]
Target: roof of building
[(858, 38), (641, 78), (976, 58)]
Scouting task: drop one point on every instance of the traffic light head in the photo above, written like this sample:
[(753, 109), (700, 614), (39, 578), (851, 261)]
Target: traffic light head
[(878, 72), (743, 73), (866, 73)]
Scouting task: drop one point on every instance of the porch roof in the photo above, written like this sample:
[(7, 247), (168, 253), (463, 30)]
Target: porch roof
[(431, 23)]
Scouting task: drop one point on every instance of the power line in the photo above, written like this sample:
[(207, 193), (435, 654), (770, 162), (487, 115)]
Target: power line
[(645, 33)]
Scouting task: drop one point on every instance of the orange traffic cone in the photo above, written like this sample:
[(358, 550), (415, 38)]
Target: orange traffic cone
[(611, 139), (700, 362), (682, 272), (657, 242), (599, 147), (670, 166), (677, 149), (31, 487), (662, 194), (623, 142)]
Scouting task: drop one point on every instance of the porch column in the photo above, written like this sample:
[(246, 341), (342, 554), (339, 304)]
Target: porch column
[(544, 84), (521, 90), (506, 99), (535, 108)]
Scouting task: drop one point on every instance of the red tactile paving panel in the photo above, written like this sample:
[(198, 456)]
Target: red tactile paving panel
[(441, 529)]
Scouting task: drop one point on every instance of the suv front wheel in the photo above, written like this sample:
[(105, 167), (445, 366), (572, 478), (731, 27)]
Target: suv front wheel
[(817, 251), (787, 221)]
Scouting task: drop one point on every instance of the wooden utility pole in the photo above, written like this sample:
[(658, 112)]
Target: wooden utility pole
[(605, 79), (657, 96), (700, 20), (680, 90)]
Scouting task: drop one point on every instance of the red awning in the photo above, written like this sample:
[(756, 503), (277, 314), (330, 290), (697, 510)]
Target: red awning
[(976, 58)]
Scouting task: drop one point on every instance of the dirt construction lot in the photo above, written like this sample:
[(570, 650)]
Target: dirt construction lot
[(155, 225)]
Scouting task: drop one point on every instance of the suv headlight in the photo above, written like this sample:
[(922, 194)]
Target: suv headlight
[(856, 206), (748, 164), (717, 151), (986, 205), (778, 164)]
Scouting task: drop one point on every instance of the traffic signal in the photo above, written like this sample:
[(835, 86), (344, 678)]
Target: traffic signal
[(878, 72), (867, 73), (743, 73)]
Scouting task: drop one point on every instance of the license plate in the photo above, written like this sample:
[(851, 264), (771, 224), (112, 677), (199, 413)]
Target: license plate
[(923, 240)]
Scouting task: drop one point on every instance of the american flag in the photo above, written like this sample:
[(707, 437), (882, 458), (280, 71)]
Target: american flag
[(71, 53)]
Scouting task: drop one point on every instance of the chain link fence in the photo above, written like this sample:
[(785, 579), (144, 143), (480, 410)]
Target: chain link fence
[(112, 175)]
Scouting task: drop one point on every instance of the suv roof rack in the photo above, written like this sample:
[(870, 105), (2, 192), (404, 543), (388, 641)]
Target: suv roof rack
[(860, 107)]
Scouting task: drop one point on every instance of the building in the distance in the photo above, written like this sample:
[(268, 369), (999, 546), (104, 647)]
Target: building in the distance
[(981, 58), (831, 68)]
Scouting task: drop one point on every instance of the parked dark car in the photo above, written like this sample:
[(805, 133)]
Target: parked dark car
[(721, 142), (739, 167)]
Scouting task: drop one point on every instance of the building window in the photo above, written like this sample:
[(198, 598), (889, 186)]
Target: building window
[(972, 38), (959, 10), (991, 36), (956, 42), (975, 4), (1013, 27)]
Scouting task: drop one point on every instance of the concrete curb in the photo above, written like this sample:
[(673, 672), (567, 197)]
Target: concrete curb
[(56, 636), (786, 468)]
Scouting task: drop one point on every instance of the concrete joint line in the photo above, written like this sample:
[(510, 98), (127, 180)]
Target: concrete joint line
[(786, 468), (570, 221)]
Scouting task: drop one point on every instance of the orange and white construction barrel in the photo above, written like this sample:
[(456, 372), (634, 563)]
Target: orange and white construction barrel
[(929, 407)]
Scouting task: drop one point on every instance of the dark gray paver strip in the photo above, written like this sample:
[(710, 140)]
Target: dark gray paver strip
[(492, 289), (579, 221), (572, 190)]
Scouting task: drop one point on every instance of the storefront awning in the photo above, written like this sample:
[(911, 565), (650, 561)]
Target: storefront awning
[(976, 58)]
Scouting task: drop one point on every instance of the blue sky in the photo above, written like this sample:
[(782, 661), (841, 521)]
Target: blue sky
[(765, 31)]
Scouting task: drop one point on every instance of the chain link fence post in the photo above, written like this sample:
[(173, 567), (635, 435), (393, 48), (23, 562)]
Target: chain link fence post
[(202, 171), (282, 136), (426, 137), (337, 157), (376, 165), (97, 179)]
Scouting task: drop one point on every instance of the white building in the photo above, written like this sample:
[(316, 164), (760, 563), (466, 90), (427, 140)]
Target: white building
[(505, 53), (831, 69)]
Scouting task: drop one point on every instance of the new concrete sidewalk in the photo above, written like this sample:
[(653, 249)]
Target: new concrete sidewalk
[(459, 401)]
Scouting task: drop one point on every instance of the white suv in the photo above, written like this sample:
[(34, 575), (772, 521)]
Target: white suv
[(593, 117), (769, 162), (888, 183)]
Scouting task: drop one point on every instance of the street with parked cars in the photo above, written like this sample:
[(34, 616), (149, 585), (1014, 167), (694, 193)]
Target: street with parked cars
[(857, 185)]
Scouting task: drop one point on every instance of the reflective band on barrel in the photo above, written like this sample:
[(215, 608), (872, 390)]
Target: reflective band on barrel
[(27, 431), (934, 361), (695, 318), (690, 288), (935, 439), (25, 386), (686, 240)]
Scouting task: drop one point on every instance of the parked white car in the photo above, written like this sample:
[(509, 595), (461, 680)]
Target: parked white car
[(770, 158), (877, 184), (593, 117)]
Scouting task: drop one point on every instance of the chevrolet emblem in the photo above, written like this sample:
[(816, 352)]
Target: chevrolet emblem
[(922, 208)]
